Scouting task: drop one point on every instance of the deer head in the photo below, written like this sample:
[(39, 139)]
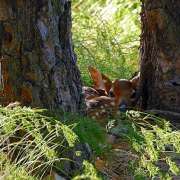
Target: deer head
[(124, 91)]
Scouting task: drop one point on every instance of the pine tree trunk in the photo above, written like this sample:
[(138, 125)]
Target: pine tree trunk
[(37, 57), (160, 55)]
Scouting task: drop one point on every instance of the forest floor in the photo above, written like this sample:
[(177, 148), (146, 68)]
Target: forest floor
[(131, 146)]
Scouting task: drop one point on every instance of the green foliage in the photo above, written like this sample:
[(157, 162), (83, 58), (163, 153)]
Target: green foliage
[(154, 141), (36, 141), (106, 35), (33, 141), (39, 141), (9, 171), (88, 131), (89, 173)]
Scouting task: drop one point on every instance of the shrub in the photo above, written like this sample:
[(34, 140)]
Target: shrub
[(106, 35)]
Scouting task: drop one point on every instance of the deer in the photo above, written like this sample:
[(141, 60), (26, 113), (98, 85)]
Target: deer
[(106, 98)]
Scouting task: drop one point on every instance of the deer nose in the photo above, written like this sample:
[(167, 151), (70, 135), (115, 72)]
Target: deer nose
[(111, 93), (123, 106)]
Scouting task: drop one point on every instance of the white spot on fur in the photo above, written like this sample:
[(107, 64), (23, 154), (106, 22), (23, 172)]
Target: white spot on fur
[(113, 103), (118, 113), (103, 110)]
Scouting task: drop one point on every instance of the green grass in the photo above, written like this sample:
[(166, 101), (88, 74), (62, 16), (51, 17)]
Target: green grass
[(153, 140), (106, 35), (37, 141), (34, 141), (9, 171), (88, 130), (89, 173)]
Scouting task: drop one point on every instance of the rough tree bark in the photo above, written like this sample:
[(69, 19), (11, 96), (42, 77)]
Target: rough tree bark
[(37, 58), (160, 55)]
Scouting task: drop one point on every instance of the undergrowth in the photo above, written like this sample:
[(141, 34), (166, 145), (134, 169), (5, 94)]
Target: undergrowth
[(36, 144), (89, 173), (88, 131), (34, 141), (153, 140), (10, 171)]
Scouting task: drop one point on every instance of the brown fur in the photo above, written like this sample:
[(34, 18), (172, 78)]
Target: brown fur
[(104, 99)]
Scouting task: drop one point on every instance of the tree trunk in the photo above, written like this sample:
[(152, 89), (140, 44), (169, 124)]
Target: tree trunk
[(37, 57), (160, 55)]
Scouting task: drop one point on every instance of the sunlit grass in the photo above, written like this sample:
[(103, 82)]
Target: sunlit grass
[(35, 142)]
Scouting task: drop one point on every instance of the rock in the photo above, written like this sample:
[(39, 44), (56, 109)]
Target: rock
[(76, 157)]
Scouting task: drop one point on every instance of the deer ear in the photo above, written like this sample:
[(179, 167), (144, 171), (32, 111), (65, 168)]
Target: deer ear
[(96, 77), (107, 83), (135, 81), (117, 91), (100, 80)]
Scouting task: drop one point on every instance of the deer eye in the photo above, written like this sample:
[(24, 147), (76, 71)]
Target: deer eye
[(111, 94)]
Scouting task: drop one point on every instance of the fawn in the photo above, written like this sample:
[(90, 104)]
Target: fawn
[(106, 98)]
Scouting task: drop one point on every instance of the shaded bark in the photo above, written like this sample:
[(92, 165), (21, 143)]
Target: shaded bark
[(37, 57), (160, 55)]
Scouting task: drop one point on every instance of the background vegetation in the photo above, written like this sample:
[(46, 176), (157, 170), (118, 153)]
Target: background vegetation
[(106, 35)]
